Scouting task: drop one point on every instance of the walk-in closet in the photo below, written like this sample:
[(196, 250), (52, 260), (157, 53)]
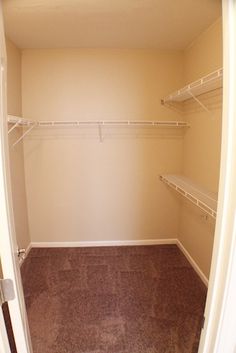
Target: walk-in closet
[(114, 115)]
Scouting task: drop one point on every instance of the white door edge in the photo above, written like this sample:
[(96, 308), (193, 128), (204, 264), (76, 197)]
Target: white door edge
[(220, 310), (8, 246)]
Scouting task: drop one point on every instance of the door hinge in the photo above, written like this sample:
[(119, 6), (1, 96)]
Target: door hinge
[(7, 292)]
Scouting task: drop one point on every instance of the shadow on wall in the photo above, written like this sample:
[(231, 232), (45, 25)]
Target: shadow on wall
[(107, 133)]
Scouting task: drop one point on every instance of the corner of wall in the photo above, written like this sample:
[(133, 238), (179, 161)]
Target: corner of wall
[(14, 95), (201, 158)]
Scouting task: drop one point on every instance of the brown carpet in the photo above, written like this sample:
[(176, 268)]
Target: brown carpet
[(113, 300)]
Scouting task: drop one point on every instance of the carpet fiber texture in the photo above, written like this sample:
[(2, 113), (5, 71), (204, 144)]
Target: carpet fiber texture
[(144, 299)]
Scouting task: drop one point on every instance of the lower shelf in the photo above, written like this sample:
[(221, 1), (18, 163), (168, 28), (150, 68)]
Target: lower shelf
[(205, 200)]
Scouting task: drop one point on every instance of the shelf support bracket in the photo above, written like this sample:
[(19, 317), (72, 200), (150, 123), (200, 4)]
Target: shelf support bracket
[(199, 102), (24, 134), (13, 127), (171, 106)]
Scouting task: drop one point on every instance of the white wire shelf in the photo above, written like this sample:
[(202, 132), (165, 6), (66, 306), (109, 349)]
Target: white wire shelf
[(11, 119), (18, 121), (54, 123), (205, 200), (205, 84)]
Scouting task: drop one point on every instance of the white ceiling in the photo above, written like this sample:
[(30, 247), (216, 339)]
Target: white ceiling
[(163, 24)]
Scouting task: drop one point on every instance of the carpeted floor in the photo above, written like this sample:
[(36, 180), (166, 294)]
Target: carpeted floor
[(113, 300)]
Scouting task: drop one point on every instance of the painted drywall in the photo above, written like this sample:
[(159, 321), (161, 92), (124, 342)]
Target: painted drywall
[(111, 24), (202, 144), (204, 54), (79, 189), (16, 154)]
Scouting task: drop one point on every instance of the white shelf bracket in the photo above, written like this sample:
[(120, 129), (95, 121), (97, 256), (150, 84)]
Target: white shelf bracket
[(13, 127), (199, 102), (24, 134), (100, 132)]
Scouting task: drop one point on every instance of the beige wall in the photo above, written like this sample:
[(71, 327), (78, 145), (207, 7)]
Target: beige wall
[(204, 54), (78, 188), (202, 144), (16, 154)]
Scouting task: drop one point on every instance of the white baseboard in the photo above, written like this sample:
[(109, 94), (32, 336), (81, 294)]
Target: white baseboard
[(74, 244), (192, 262), (27, 250)]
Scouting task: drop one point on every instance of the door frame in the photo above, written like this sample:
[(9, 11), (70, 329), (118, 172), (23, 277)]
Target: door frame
[(8, 244), (218, 336)]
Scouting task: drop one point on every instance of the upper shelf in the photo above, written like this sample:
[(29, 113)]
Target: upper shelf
[(205, 84), (205, 200)]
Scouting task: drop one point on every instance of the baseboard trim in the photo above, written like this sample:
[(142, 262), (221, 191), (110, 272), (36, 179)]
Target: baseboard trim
[(27, 250), (192, 262), (74, 244)]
